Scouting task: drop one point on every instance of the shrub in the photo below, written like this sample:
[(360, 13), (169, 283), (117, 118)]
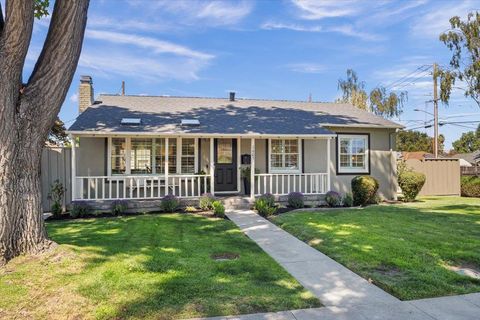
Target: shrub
[(269, 199), (169, 203), (190, 209), (80, 209), (119, 207), (218, 209), (205, 201), (56, 195), (347, 200), (411, 183), (295, 200), (364, 189), (264, 206), (470, 186), (333, 199)]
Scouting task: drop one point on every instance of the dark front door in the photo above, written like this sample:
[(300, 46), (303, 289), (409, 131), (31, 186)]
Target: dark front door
[(225, 164)]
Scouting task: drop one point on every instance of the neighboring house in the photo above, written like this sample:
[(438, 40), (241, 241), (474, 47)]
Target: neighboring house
[(469, 162), (143, 147)]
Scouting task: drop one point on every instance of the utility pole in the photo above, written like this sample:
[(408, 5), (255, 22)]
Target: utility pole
[(123, 88), (435, 111)]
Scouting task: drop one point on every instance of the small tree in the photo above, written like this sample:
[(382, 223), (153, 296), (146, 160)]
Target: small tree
[(56, 196)]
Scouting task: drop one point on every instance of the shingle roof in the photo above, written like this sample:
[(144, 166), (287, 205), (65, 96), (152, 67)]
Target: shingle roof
[(163, 115)]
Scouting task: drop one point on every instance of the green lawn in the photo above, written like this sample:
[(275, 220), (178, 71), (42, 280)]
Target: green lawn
[(152, 266), (402, 248)]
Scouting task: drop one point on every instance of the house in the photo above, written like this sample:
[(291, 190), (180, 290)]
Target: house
[(469, 162), (143, 147)]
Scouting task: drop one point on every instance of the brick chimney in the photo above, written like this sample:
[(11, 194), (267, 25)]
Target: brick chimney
[(85, 93)]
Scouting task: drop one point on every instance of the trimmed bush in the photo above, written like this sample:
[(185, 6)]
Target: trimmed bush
[(470, 186), (205, 201), (333, 199), (218, 209), (264, 206), (347, 200), (170, 203), (269, 198), (364, 189), (411, 183), (80, 209), (119, 207), (295, 200)]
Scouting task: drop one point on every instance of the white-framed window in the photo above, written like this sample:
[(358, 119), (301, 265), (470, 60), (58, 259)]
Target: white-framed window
[(285, 155), (140, 156), (188, 156), (117, 155), (353, 151)]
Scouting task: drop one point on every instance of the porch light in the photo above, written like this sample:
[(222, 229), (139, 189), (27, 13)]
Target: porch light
[(131, 121)]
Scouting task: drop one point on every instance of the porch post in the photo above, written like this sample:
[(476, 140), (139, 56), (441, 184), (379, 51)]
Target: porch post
[(74, 167), (329, 187), (252, 169), (166, 166), (212, 167)]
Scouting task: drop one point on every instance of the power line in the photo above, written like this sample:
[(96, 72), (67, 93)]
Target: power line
[(418, 71)]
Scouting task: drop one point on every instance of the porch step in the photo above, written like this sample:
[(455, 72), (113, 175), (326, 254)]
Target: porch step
[(236, 202)]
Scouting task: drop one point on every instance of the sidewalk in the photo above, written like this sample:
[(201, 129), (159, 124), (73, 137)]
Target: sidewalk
[(344, 294)]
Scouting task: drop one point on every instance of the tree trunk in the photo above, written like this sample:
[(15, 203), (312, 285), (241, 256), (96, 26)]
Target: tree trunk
[(21, 223), (27, 112)]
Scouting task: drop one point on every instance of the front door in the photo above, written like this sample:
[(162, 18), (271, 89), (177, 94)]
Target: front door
[(225, 164)]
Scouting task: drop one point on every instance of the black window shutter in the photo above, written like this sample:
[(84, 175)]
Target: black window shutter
[(303, 156), (267, 152)]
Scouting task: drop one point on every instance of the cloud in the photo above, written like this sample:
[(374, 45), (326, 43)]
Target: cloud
[(432, 22), (210, 13), (158, 46), (74, 97), (307, 67), (316, 10), (347, 30)]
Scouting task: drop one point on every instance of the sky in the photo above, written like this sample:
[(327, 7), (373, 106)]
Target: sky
[(285, 49)]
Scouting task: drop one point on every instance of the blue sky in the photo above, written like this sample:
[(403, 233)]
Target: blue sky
[(266, 49)]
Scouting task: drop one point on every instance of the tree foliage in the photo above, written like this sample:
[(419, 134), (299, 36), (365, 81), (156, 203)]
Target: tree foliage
[(379, 101), (464, 41), (58, 134), (411, 141), (468, 142)]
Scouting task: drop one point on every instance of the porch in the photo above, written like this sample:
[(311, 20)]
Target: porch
[(141, 167)]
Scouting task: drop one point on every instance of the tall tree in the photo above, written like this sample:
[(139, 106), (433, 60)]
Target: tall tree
[(58, 134), (464, 41), (411, 141), (28, 112), (468, 142), (379, 101)]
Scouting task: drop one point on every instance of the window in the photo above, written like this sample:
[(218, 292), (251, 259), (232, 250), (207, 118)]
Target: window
[(224, 151), (141, 154), (160, 156), (284, 155), (117, 156), (188, 156), (352, 153)]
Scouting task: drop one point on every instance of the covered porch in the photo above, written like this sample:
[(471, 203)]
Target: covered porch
[(145, 166)]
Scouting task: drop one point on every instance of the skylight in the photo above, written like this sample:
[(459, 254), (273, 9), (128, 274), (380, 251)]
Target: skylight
[(190, 122), (131, 121)]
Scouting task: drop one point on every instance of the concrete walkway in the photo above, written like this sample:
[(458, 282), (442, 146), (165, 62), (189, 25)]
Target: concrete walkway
[(345, 294)]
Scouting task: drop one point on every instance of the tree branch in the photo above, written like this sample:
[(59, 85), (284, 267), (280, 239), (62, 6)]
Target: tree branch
[(14, 43), (51, 78)]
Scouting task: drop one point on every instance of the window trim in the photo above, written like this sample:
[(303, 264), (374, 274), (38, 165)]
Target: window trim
[(300, 157), (353, 171), (128, 147)]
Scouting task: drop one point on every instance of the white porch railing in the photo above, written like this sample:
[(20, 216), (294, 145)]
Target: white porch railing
[(140, 187), (284, 183)]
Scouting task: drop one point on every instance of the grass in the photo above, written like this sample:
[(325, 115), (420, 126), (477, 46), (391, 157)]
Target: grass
[(152, 266), (403, 248)]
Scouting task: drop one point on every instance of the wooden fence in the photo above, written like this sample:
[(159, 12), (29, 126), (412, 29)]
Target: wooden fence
[(56, 164), (443, 175), (470, 171)]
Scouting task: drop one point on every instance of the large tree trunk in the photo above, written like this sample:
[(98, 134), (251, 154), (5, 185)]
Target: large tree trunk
[(27, 112)]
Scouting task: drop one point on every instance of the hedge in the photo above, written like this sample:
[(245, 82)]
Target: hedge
[(364, 189), (411, 183), (470, 186)]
